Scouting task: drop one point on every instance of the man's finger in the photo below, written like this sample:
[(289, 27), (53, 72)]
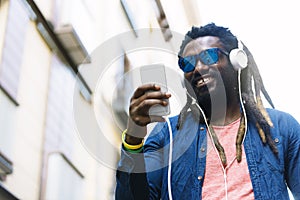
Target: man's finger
[(145, 88)]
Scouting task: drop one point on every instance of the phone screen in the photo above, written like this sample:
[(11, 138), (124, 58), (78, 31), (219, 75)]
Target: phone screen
[(155, 73)]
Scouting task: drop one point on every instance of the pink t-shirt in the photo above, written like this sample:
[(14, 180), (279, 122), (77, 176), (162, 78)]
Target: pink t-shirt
[(237, 174)]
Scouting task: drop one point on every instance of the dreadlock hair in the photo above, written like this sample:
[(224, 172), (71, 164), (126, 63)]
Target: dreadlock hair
[(256, 113)]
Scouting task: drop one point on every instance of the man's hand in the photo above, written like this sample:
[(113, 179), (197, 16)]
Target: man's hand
[(142, 100)]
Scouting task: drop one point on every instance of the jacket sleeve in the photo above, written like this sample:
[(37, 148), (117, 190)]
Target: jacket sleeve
[(139, 176), (131, 177), (293, 157)]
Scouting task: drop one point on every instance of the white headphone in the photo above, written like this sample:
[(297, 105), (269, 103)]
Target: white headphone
[(238, 57)]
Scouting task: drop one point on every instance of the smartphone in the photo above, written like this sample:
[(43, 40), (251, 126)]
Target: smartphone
[(156, 73)]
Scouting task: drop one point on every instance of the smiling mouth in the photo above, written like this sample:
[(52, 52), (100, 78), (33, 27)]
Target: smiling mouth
[(203, 81)]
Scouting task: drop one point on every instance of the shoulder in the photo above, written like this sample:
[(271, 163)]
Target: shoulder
[(284, 124), (280, 117)]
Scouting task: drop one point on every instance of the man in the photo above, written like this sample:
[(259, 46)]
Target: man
[(223, 145)]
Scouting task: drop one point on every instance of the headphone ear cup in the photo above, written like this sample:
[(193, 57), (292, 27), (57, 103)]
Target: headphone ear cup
[(238, 58)]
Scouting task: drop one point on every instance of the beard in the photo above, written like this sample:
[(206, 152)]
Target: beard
[(216, 95), (202, 96)]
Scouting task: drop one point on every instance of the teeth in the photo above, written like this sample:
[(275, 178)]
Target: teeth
[(202, 81), (206, 80)]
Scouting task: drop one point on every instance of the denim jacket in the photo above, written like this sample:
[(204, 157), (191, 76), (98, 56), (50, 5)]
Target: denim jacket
[(270, 174)]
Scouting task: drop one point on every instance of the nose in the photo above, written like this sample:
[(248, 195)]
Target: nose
[(200, 67)]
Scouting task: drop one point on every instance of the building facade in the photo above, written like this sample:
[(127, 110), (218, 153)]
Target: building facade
[(46, 49)]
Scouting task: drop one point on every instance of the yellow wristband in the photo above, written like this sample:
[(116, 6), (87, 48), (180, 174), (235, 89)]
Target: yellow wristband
[(129, 146)]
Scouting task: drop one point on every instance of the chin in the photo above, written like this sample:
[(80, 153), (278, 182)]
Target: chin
[(204, 91), (203, 95)]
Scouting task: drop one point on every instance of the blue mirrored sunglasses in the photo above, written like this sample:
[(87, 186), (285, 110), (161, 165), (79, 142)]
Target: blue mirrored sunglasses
[(207, 57)]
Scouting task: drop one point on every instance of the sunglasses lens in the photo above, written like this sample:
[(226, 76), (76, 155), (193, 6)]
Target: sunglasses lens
[(187, 64), (209, 56)]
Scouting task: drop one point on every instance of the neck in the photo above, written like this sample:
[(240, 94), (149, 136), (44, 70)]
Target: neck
[(219, 114), (232, 113)]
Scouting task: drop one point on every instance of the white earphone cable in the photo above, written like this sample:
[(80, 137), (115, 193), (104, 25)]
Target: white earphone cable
[(170, 159), (242, 103)]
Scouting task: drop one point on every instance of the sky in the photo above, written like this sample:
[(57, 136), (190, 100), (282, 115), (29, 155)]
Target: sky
[(270, 30)]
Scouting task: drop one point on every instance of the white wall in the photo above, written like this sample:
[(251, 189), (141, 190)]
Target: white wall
[(22, 126)]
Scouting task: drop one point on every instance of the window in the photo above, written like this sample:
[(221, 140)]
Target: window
[(129, 15), (13, 48), (64, 181), (5, 167)]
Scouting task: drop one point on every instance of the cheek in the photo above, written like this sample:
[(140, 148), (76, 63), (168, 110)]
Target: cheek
[(188, 76), (224, 64), (229, 75), (227, 70)]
